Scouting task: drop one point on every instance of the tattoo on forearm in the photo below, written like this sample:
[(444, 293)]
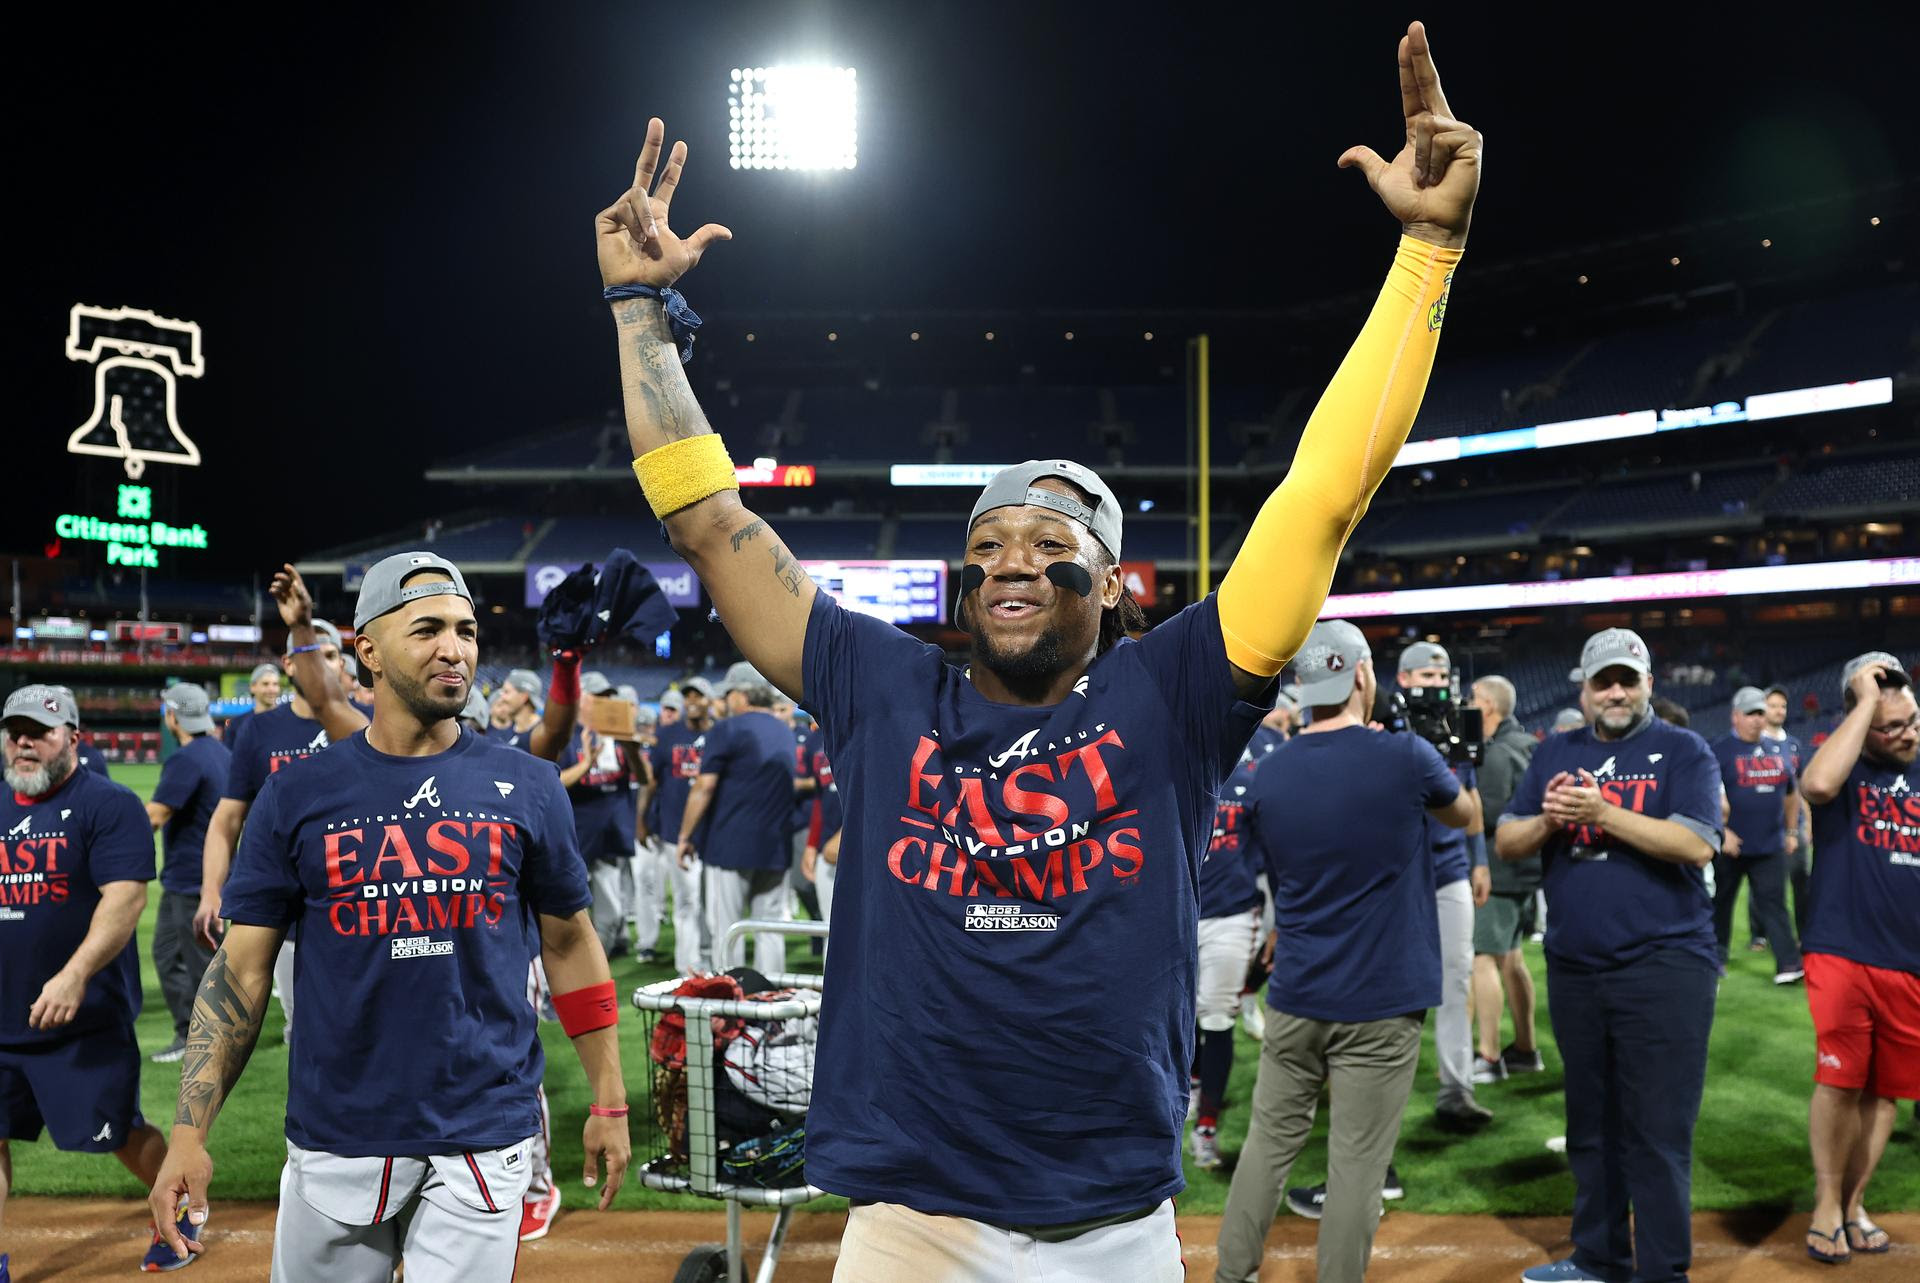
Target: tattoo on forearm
[(656, 384), (745, 533), (225, 1025)]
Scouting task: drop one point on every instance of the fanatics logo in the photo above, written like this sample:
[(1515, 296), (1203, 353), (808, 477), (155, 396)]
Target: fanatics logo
[(1655, 757), (419, 947), (425, 793), (504, 787), (65, 814)]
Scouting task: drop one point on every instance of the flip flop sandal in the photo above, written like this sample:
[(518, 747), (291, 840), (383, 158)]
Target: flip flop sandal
[(1835, 1238), (1866, 1229)]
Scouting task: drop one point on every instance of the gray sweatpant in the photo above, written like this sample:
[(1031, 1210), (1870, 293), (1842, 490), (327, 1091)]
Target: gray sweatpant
[(1369, 1068), (451, 1218)]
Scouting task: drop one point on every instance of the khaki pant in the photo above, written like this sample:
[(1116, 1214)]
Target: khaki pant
[(1369, 1068)]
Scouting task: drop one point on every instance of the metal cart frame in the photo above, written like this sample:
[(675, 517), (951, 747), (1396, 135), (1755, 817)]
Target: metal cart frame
[(703, 1176)]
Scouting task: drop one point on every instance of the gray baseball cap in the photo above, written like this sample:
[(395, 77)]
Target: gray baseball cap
[(672, 699), (525, 679), (47, 705), (1896, 671), (190, 707), (1329, 663), (1569, 719), (627, 693), (745, 678), (1612, 646), (1425, 655), (323, 632), (385, 588), (1575, 676), (596, 683), (699, 686), (1282, 699), (73, 705), (1014, 486), (1749, 699), (263, 670), (477, 707)]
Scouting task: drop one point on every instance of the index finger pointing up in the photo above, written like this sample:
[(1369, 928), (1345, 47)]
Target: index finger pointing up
[(649, 155), (1426, 77)]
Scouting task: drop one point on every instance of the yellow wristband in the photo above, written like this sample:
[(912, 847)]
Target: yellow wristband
[(681, 473)]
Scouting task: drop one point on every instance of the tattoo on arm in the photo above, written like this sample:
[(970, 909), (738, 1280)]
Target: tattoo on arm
[(656, 384), (745, 533), (787, 569), (226, 1024)]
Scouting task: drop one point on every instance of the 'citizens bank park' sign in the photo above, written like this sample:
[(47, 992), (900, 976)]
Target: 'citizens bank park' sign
[(132, 536)]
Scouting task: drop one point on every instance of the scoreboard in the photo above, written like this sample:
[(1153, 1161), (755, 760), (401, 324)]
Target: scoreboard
[(900, 592)]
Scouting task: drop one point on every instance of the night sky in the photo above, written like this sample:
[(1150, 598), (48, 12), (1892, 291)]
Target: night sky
[(382, 222)]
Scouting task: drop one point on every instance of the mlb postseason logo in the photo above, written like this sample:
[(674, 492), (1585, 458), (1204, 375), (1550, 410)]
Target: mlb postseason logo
[(420, 947), (1009, 917)]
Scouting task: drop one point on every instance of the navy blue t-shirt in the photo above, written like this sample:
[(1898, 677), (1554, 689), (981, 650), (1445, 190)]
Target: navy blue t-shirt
[(1451, 862), (803, 770), (1615, 905), (1008, 1017), (1232, 862), (88, 758), (750, 819), (1865, 895), (1341, 817), (1758, 777), (512, 738), (267, 742), (676, 765), (191, 782), (416, 881), (828, 813), (604, 810), (56, 852)]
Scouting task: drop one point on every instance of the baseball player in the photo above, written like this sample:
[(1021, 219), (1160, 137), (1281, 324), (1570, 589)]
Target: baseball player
[(1024, 835), (426, 866), (599, 773), (264, 685), (183, 804), (76, 855), (676, 765)]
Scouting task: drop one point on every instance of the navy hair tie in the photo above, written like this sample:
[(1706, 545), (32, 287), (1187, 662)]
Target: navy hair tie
[(682, 320)]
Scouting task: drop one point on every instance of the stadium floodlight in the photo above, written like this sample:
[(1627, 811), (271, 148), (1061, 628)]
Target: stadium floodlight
[(797, 116)]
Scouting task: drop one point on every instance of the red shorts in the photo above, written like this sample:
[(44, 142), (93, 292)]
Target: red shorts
[(1866, 1026)]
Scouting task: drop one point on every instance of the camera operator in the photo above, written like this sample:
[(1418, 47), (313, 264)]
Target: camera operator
[(1499, 924), (1339, 811), (1626, 816), (1461, 881)]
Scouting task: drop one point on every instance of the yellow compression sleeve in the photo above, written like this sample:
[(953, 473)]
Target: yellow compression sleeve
[(681, 473), (1279, 579)]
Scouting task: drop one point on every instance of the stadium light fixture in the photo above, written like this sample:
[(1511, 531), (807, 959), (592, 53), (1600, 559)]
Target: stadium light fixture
[(1674, 261), (794, 116), (1875, 220), (914, 335), (1766, 242), (1583, 279)]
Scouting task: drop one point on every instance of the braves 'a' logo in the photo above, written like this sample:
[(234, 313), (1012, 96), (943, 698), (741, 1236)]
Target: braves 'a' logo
[(425, 793), (1021, 748), (1606, 768), (26, 823)]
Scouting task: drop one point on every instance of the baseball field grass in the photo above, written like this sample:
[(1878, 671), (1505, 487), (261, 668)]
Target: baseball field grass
[(1750, 1147)]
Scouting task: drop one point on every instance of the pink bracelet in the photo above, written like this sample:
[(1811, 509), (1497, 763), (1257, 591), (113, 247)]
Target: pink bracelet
[(599, 1112)]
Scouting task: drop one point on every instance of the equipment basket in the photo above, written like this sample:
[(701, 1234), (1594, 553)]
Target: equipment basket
[(698, 1167)]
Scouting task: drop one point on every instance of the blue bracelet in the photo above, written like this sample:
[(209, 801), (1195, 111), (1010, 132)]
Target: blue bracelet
[(307, 650), (682, 320)]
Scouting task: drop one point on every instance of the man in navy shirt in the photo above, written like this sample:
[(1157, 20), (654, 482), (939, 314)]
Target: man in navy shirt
[(1024, 835), (75, 859), (1863, 945), (1762, 831), (675, 758), (744, 795), (191, 781), (601, 775), (427, 866), (87, 756), (1625, 814), (1340, 813), (1799, 865), (264, 685)]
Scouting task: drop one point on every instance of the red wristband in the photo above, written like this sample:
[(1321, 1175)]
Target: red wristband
[(563, 687), (598, 1112), (584, 1010)]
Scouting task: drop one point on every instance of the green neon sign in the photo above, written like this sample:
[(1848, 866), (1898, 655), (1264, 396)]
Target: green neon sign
[(131, 543)]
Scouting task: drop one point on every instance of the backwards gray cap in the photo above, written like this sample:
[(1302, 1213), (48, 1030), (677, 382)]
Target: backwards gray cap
[(525, 679), (698, 685), (324, 632), (1749, 699), (1425, 655), (1612, 646), (596, 683), (190, 706), (1570, 719), (1329, 664), (477, 709), (263, 670), (47, 705), (385, 587), (1896, 671), (672, 699), (747, 679), (1014, 486)]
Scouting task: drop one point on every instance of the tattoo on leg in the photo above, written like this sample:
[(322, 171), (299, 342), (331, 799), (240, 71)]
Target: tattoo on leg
[(225, 1025), (745, 533)]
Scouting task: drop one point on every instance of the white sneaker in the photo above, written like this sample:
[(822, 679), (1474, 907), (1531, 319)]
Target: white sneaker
[(1789, 977), (1206, 1148), (1253, 1017)]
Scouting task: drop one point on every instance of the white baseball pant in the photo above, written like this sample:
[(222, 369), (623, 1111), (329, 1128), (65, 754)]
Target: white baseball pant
[(885, 1243), (734, 895), (1453, 1022), (541, 1182), (1227, 945)]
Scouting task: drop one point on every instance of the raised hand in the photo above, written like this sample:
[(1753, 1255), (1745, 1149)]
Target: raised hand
[(1431, 184), (635, 245), (289, 593)]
